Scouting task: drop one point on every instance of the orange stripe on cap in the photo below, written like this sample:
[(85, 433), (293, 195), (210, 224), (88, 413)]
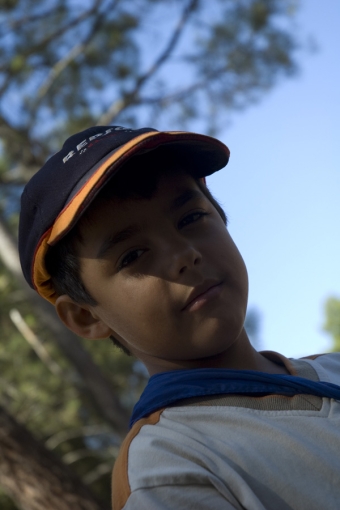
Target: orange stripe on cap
[(41, 278)]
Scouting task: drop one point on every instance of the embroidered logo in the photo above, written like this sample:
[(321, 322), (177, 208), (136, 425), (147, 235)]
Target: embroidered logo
[(83, 146)]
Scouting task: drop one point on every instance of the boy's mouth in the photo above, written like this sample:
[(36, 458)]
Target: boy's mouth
[(201, 294)]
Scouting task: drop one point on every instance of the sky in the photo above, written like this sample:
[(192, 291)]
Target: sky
[(281, 192)]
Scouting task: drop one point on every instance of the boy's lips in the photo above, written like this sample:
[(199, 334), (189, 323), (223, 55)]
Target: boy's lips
[(201, 294)]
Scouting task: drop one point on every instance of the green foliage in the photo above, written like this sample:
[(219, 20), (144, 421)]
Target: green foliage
[(6, 503), (332, 323)]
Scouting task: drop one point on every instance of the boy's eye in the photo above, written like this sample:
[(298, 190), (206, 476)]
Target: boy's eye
[(130, 258), (191, 218)]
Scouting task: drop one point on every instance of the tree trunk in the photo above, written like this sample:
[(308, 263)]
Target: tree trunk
[(103, 395), (33, 477)]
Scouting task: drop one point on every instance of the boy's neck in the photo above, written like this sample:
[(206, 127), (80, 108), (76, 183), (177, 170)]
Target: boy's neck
[(239, 356)]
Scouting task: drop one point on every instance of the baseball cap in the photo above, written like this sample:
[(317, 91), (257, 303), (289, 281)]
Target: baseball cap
[(59, 193)]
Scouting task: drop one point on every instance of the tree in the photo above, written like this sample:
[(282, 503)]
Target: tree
[(332, 323), (34, 477), (65, 65)]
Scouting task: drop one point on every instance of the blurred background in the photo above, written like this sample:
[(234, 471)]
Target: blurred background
[(261, 75)]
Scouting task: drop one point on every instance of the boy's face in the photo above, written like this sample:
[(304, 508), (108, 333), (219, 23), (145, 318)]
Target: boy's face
[(168, 279)]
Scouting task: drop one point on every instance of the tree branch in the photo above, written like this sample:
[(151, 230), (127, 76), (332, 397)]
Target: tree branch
[(34, 342), (89, 430), (61, 65), (58, 33), (171, 44), (57, 69), (27, 19), (181, 94), (120, 105), (68, 26)]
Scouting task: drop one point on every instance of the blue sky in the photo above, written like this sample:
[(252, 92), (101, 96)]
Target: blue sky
[(281, 192)]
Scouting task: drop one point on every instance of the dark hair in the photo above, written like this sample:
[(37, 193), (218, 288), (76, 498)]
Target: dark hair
[(62, 261)]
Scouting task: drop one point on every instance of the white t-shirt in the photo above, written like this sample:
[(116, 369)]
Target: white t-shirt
[(237, 452)]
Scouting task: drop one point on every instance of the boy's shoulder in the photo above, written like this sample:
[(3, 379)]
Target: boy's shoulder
[(327, 366), (188, 444)]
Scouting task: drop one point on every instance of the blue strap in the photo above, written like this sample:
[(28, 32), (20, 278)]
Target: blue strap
[(167, 388)]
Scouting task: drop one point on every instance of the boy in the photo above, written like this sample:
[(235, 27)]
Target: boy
[(120, 232)]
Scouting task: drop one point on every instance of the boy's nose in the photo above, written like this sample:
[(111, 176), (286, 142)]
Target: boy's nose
[(181, 258)]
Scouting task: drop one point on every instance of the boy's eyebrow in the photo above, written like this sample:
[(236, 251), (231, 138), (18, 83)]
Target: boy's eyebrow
[(184, 197), (119, 237), (131, 230)]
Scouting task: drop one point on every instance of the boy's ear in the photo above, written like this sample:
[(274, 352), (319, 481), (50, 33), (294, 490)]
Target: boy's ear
[(79, 319)]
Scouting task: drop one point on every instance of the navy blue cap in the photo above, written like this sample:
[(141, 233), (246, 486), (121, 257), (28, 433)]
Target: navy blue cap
[(57, 195)]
